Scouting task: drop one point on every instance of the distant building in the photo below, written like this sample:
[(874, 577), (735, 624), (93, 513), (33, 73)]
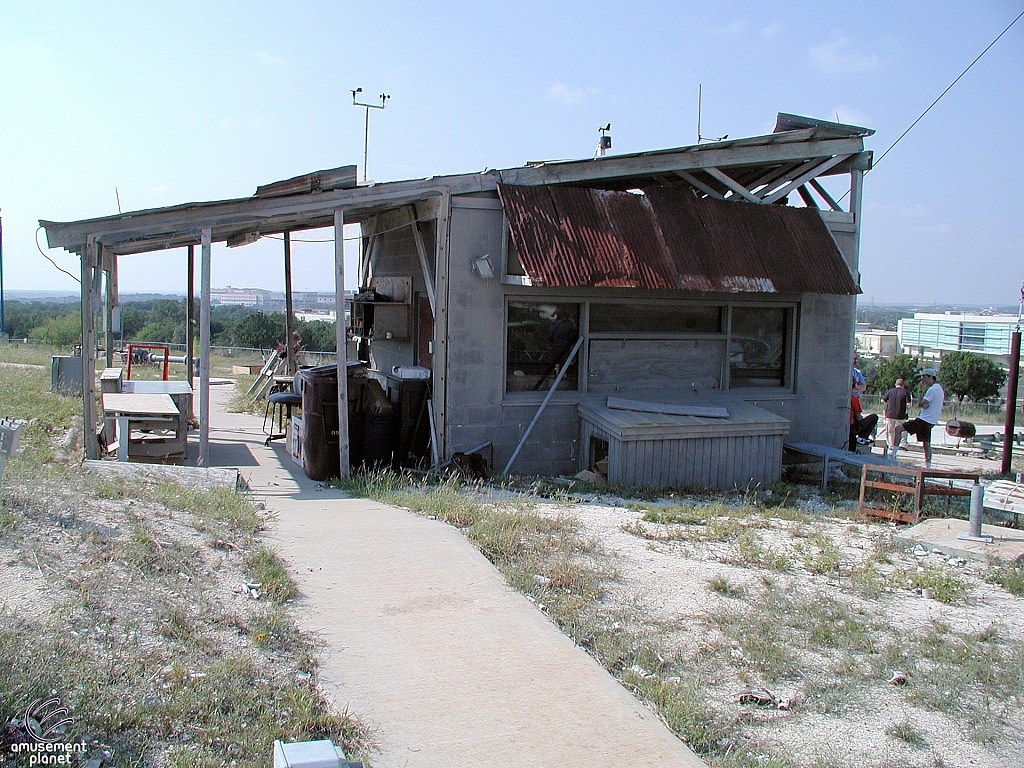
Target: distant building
[(238, 297), (272, 301), (877, 341), (931, 335), (313, 317)]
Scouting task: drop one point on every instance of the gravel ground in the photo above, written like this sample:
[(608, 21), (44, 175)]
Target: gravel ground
[(819, 612)]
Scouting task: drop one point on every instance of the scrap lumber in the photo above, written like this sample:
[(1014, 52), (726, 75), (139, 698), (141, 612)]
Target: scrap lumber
[(672, 409)]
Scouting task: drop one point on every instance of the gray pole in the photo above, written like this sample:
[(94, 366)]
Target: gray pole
[(3, 326), (977, 508), (544, 404), (190, 320), (204, 349), (341, 337), (1011, 402)]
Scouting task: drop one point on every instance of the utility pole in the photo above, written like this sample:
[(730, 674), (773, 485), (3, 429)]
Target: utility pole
[(366, 135), (3, 326), (1011, 391)]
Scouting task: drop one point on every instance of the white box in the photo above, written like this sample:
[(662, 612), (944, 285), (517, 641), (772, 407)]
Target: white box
[(294, 439), (306, 754)]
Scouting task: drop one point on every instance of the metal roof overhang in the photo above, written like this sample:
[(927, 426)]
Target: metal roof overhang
[(669, 239), (292, 205)]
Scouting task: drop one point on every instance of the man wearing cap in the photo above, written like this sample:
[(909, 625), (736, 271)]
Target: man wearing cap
[(896, 401), (931, 406)]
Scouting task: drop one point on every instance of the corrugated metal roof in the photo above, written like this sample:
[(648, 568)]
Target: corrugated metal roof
[(670, 239)]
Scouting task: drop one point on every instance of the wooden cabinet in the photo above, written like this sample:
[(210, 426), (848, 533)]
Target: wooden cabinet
[(390, 317)]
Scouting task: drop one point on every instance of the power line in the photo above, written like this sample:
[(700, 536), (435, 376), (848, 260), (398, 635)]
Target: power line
[(55, 264), (875, 164)]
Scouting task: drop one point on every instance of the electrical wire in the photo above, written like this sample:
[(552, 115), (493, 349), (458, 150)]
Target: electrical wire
[(55, 264), (948, 88), (360, 237), (876, 162)]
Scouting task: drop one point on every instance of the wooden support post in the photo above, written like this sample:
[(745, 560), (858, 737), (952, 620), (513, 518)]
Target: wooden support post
[(89, 267), (803, 178), (421, 251), (289, 318), (368, 251), (825, 195), (440, 374), (110, 303), (204, 350), (190, 317), (735, 186), (806, 196), (342, 341)]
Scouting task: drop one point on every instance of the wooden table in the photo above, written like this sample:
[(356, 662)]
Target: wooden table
[(916, 484), (137, 407)]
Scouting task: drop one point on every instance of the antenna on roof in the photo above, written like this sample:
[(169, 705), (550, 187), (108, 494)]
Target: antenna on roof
[(366, 135), (605, 142), (699, 137), (118, 196)]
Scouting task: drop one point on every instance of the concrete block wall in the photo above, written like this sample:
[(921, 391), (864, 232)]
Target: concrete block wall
[(477, 410), (396, 255)]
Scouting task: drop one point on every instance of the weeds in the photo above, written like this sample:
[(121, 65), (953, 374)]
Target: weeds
[(973, 677), (264, 567), (945, 586), (723, 586), (1009, 577), (823, 554), (687, 515), (908, 733), (218, 511), (136, 643), (753, 553)]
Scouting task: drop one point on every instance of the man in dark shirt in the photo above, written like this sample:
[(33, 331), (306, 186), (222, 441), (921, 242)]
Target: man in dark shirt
[(896, 401)]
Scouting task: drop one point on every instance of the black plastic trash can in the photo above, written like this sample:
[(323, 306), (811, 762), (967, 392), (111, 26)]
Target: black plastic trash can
[(320, 422)]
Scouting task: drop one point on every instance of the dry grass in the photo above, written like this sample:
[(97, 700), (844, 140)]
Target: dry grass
[(119, 596)]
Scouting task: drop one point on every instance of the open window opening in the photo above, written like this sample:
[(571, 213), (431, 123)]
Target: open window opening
[(540, 337), (759, 346)]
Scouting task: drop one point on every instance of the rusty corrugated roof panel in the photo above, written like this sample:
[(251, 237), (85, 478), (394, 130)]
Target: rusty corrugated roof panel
[(670, 239)]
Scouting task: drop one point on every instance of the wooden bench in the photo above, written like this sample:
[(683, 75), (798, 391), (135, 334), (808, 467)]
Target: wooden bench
[(835, 457), (915, 483), (1006, 496)]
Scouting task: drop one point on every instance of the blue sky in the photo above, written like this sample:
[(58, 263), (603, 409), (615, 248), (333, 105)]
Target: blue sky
[(188, 101)]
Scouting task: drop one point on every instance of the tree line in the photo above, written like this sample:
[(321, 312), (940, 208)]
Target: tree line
[(162, 321), (966, 375)]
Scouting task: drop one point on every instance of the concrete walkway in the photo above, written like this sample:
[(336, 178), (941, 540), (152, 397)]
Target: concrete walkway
[(423, 639)]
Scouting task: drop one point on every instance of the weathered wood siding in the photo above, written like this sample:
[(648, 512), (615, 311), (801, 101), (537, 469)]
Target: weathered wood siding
[(741, 452)]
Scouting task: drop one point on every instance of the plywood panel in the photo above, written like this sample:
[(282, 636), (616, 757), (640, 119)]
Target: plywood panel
[(646, 365)]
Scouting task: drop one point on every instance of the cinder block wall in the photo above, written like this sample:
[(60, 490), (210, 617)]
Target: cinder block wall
[(477, 409), (396, 255)]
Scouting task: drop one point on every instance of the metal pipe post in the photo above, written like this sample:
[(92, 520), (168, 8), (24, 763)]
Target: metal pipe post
[(204, 349), (544, 404), (190, 315), (1011, 402), (977, 505), (289, 320)]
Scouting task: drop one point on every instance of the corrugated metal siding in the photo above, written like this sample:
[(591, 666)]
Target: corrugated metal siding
[(670, 239)]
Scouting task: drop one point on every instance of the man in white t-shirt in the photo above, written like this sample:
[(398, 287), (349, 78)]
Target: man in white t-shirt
[(921, 427)]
